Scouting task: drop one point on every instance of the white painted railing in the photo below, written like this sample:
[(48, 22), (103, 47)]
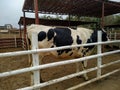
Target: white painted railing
[(37, 67)]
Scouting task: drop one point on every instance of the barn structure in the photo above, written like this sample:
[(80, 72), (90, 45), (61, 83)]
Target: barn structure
[(94, 8), (91, 8), (53, 22)]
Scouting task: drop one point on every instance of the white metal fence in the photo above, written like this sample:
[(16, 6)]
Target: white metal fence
[(36, 67)]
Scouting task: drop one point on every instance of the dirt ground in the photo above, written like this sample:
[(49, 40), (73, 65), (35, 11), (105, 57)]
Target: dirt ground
[(19, 81)]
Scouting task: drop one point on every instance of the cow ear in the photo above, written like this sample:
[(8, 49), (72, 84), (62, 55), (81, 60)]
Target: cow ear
[(103, 30), (50, 34)]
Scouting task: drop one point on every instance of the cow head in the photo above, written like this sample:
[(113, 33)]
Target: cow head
[(94, 36), (104, 35)]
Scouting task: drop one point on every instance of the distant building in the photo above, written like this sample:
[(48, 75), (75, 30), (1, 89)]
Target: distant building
[(5, 28), (8, 26)]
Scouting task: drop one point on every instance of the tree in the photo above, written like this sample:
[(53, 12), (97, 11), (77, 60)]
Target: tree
[(56, 17), (117, 19), (112, 19)]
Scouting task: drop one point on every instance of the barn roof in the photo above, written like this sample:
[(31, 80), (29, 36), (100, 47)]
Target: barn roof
[(113, 26), (53, 22), (92, 8)]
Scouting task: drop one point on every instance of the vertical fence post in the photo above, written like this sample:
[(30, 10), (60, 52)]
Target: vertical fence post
[(110, 36), (23, 42), (35, 59), (15, 41), (99, 51), (115, 35)]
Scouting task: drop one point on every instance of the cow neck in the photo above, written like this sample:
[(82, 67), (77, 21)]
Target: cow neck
[(93, 37)]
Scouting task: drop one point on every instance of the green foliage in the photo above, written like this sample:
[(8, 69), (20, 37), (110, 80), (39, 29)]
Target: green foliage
[(112, 19), (117, 19), (109, 20), (57, 17), (84, 19)]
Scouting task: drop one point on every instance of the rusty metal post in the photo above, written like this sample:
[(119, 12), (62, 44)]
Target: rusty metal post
[(25, 30), (69, 21), (103, 10), (102, 20), (36, 11), (20, 31), (20, 34)]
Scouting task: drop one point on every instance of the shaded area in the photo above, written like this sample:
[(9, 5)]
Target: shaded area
[(53, 22)]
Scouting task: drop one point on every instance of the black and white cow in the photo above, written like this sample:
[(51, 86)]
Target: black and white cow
[(50, 37)]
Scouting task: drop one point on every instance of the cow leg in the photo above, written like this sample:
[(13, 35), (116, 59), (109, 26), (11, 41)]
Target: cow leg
[(77, 67), (31, 75), (41, 58), (84, 65), (41, 80)]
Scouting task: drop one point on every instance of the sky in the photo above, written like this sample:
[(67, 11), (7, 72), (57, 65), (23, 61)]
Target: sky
[(115, 0), (11, 11)]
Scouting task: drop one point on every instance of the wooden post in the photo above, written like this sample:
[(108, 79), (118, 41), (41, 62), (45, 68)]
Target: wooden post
[(36, 11)]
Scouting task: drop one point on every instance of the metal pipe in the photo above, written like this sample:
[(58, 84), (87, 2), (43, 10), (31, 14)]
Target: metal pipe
[(93, 80), (36, 11), (58, 80), (20, 31), (103, 13), (4, 74), (99, 51), (25, 29), (52, 49)]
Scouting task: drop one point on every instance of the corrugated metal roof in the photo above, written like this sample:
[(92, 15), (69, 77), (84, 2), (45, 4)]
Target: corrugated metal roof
[(91, 8)]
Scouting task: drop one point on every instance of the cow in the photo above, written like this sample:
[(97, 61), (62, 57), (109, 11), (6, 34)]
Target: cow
[(50, 37)]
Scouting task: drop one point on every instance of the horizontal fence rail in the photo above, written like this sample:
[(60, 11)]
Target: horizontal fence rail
[(36, 68), (92, 80), (52, 49), (4, 74)]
